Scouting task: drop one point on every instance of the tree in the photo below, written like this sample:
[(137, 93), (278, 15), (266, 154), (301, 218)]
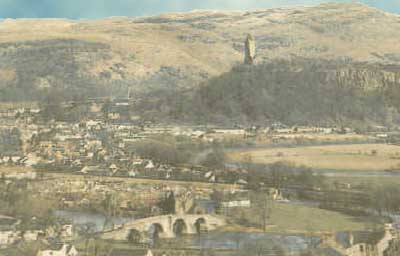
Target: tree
[(88, 232), (264, 206), (386, 199), (158, 150), (28, 248), (216, 158), (106, 108), (247, 161), (110, 208), (167, 204), (217, 195)]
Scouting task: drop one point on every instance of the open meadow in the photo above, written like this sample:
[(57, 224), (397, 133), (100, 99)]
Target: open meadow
[(349, 157), (292, 218), (304, 219), (21, 104)]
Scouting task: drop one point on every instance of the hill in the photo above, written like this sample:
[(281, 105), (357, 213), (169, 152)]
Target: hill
[(296, 91), (180, 50)]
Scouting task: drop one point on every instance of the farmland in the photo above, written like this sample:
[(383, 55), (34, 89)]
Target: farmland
[(349, 157)]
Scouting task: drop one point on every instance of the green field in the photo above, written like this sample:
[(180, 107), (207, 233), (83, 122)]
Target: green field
[(303, 219), (366, 181), (299, 219)]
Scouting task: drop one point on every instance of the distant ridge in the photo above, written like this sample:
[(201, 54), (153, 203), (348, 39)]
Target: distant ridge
[(181, 50)]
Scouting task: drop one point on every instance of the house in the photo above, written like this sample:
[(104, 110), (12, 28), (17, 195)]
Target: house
[(32, 235), (17, 175), (149, 165), (114, 168), (8, 237), (95, 171), (275, 194), (65, 250), (114, 116), (8, 232), (132, 173), (393, 248), (205, 206), (389, 236), (364, 243), (210, 176), (236, 204), (241, 182), (67, 231)]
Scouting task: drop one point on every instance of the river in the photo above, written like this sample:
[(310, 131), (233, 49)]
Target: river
[(235, 240), (212, 240), (85, 217)]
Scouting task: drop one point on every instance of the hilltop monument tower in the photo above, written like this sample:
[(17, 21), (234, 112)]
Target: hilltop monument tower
[(249, 50)]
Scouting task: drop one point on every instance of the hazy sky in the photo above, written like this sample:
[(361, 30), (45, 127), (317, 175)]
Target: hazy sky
[(92, 9)]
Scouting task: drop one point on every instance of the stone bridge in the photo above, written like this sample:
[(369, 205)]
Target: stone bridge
[(165, 226)]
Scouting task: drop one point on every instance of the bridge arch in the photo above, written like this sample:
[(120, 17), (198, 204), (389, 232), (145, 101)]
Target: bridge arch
[(200, 225), (179, 227), (134, 236), (155, 230), (165, 226)]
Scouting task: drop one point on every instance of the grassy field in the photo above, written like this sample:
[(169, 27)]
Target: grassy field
[(354, 157), (366, 181), (299, 219)]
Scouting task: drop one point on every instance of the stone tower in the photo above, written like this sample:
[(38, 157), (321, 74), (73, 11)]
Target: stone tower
[(249, 50)]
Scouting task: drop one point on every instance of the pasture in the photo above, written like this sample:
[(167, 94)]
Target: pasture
[(346, 157)]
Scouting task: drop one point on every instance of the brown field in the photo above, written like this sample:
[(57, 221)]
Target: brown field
[(22, 104), (15, 169), (353, 157), (321, 137)]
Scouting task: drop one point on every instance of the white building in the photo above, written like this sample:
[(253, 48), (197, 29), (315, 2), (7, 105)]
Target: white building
[(66, 250), (9, 237)]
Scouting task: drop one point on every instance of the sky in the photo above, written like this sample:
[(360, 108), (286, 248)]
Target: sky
[(96, 9)]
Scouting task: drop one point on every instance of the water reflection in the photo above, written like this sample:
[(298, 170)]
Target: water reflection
[(241, 240), (98, 219)]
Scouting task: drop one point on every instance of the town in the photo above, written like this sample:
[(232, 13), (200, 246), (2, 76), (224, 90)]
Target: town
[(170, 136), (110, 185)]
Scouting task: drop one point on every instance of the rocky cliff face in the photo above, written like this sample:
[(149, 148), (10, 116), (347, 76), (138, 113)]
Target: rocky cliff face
[(366, 78), (299, 91), (181, 50)]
